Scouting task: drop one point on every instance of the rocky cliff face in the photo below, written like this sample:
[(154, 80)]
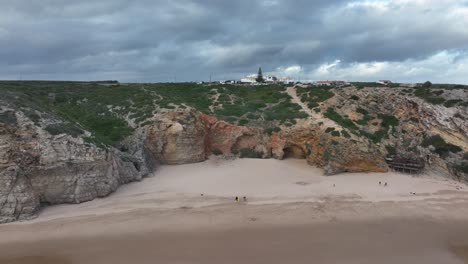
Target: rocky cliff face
[(186, 136), (419, 122), (334, 154), (39, 168), (351, 131)]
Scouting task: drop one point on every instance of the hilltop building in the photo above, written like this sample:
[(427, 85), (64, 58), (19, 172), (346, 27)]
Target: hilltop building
[(384, 82), (330, 83)]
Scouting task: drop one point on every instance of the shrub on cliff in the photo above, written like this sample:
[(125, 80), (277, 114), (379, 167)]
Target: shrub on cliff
[(441, 147), (343, 121), (64, 128), (452, 103)]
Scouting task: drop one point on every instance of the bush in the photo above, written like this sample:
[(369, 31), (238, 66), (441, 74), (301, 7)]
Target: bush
[(427, 84), (362, 111), (435, 100), (364, 121), (336, 133), (463, 167), (315, 95), (64, 128), (317, 110), (243, 122), (345, 134), (329, 129), (441, 147), (376, 137), (391, 150), (8, 118), (355, 98), (452, 103), (344, 122), (270, 130), (388, 120)]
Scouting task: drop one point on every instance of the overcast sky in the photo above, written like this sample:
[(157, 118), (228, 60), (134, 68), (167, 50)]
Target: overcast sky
[(163, 40)]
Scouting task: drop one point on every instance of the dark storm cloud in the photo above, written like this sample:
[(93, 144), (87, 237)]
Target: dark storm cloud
[(155, 40)]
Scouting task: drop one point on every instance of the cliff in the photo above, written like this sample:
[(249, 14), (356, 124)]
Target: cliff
[(37, 168), (66, 142), (186, 136)]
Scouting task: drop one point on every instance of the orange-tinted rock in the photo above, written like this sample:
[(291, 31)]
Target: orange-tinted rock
[(187, 137)]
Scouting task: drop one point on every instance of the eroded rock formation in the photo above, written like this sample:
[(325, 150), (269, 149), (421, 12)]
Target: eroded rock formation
[(38, 168), (186, 136)]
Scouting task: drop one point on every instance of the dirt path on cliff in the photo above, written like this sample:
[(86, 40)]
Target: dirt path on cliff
[(313, 116)]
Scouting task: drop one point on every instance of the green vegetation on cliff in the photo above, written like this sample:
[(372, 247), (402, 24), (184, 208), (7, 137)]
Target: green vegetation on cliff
[(111, 110), (441, 147)]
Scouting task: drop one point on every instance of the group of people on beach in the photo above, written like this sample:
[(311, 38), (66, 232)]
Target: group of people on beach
[(386, 184)]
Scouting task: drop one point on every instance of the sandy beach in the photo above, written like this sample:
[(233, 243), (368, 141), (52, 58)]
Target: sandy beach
[(293, 214)]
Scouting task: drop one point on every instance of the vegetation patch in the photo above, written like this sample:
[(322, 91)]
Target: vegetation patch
[(463, 167), (271, 130), (345, 134), (64, 128), (391, 150), (313, 95), (441, 147), (343, 121), (429, 95), (362, 111), (388, 120), (375, 137), (452, 103), (8, 118)]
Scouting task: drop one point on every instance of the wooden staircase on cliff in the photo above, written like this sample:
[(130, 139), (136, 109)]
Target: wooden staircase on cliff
[(412, 166)]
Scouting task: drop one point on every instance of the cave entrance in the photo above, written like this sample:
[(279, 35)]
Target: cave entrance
[(293, 152)]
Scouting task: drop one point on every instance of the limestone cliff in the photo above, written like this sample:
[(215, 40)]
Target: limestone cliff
[(433, 132), (48, 157), (186, 136), (39, 168)]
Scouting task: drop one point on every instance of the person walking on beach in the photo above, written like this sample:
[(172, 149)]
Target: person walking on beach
[(237, 198)]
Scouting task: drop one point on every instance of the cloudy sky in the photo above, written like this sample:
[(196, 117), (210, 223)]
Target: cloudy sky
[(163, 40)]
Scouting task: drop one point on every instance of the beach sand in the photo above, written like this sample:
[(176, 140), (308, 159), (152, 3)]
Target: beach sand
[(293, 214)]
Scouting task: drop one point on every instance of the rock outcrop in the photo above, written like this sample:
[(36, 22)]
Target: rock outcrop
[(39, 168), (187, 136), (183, 137), (334, 154), (418, 122)]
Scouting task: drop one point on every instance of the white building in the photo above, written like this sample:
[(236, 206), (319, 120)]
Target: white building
[(249, 79), (384, 82)]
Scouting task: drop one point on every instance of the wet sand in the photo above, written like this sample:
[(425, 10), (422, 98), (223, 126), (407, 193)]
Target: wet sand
[(391, 241), (293, 215)]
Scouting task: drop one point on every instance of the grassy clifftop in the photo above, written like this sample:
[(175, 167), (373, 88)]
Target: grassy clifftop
[(111, 110)]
